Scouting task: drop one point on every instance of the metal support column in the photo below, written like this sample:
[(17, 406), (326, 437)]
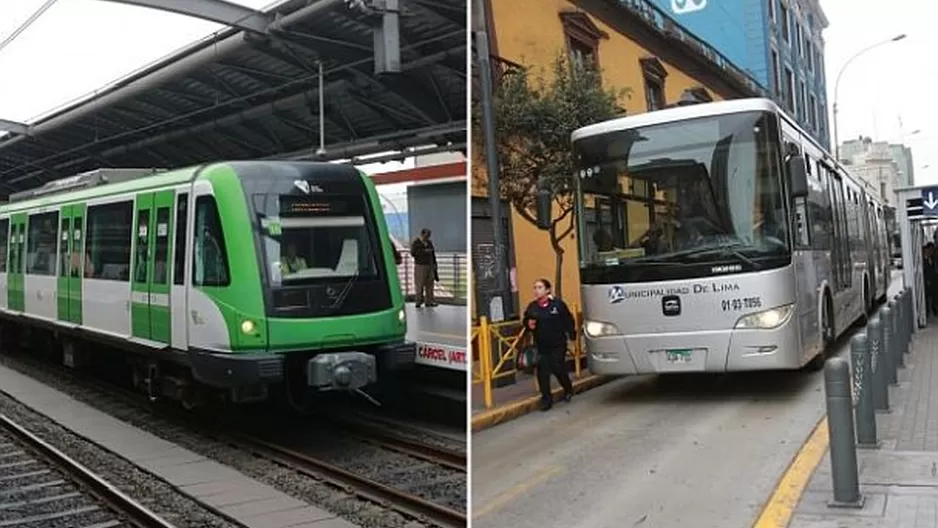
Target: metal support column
[(484, 67)]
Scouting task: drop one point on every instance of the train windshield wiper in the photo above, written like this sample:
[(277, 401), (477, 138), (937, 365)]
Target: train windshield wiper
[(340, 298)]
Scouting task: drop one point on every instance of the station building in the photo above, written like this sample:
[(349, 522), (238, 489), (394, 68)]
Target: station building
[(637, 46)]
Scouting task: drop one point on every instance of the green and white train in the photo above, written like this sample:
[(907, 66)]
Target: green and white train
[(227, 279)]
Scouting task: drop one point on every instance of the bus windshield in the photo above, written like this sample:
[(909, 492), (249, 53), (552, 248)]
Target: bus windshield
[(683, 199)]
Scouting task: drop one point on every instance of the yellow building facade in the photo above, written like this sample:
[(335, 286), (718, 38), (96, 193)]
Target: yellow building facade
[(635, 47)]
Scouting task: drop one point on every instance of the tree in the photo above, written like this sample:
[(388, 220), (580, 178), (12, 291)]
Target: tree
[(533, 123)]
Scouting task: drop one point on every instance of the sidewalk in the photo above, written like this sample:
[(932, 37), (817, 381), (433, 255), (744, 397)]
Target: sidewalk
[(899, 480), (522, 397)]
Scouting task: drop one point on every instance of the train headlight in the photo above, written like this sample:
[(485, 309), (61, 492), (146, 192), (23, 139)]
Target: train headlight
[(248, 326), (767, 319), (402, 316), (600, 329)]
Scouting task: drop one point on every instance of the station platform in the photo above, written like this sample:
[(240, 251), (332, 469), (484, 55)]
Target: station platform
[(440, 334), (899, 480)]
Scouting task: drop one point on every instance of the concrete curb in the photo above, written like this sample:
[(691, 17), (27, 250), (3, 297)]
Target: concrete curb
[(510, 411)]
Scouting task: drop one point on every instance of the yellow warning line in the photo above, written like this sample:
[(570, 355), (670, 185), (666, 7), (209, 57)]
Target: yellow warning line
[(781, 506)]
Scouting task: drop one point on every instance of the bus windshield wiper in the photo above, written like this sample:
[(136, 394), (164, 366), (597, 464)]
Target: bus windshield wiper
[(723, 249)]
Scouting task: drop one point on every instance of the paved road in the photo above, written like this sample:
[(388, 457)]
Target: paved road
[(702, 451)]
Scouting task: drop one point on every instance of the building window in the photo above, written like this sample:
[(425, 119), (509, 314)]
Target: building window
[(582, 38), (654, 76), (799, 39), (789, 88), (776, 83), (810, 55), (802, 100), (772, 10), (813, 117), (783, 14)]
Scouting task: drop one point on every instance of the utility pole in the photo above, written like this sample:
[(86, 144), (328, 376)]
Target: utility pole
[(484, 67)]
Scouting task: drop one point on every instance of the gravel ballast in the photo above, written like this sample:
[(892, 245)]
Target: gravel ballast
[(158, 496), (402, 472)]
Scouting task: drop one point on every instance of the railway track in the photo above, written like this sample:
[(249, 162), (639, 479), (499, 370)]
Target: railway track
[(369, 489), (41, 486), (312, 465), (378, 433)]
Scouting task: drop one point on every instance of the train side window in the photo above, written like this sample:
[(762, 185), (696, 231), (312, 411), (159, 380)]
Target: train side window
[(143, 246), (161, 260), (209, 259), (4, 239), (179, 259), (109, 235), (41, 244), (63, 247), (78, 245)]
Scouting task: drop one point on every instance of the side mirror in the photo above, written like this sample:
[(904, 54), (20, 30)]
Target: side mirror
[(799, 176), (543, 209)]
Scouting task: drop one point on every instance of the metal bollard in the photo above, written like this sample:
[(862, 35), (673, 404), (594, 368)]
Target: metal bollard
[(888, 354), (910, 300), (878, 365), (840, 422), (864, 412), (899, 331)]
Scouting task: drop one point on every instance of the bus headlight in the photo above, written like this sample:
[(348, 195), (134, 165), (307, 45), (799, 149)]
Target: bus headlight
[(402, 316), (767, 319), (247, 326), (600, 329)]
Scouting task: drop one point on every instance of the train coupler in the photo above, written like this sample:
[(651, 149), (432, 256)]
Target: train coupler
[(341, 371)]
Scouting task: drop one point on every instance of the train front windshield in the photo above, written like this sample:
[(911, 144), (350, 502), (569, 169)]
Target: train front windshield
[(681, 200), (322, 253)]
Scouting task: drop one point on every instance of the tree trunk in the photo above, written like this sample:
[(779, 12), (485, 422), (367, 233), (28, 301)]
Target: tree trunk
[(558, 272)]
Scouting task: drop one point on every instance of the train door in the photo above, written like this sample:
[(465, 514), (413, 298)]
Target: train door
[(179, 327), (16, 293), (150, 318), (72, 259)]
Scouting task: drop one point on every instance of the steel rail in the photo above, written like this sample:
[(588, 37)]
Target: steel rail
[(130, 510)]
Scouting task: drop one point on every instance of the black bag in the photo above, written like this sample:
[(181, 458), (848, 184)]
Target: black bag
[(527, 359)]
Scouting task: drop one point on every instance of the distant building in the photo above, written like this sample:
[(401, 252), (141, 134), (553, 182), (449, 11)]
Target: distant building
[(874, 162), (777, 42), (903, 156)]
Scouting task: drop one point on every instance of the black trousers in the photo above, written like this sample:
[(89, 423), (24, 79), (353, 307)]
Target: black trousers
[(931, 298), (553, 362)]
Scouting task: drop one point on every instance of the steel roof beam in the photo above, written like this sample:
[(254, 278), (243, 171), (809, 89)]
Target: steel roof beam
[(14, 127), (219, 11)]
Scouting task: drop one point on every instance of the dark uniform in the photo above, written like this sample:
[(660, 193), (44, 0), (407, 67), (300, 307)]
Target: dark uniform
[(553, 326)]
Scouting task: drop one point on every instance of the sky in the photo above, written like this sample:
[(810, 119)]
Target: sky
[(79, 46), (890, 82)]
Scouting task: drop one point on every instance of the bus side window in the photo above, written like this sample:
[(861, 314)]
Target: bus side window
[(802, 228)]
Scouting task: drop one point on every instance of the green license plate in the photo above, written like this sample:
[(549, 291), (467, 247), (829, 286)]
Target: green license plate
[(679, 355)]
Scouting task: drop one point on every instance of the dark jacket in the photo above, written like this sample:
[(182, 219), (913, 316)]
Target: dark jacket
[(553, 324), (423, 252)]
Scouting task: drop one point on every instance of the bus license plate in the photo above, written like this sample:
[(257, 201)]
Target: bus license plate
[(679, 355)]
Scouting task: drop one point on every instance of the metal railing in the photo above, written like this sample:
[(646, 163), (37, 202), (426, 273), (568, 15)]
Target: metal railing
[(495, 349), (453, 269)]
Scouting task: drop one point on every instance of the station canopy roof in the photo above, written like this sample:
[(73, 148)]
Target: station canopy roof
[(244, 93)]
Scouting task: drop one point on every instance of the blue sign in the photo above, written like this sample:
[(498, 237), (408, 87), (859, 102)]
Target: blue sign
[(930, 201), (722, 24)]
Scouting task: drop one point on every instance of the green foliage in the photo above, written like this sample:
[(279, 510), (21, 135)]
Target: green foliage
[(534, 119)]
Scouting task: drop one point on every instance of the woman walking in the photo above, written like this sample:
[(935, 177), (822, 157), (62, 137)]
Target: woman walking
[(552, 324)]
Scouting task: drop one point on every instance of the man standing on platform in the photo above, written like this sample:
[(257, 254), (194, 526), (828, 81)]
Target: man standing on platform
[(425, 270)]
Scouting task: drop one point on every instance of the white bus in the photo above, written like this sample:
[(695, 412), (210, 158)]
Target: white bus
[(719, 237)]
